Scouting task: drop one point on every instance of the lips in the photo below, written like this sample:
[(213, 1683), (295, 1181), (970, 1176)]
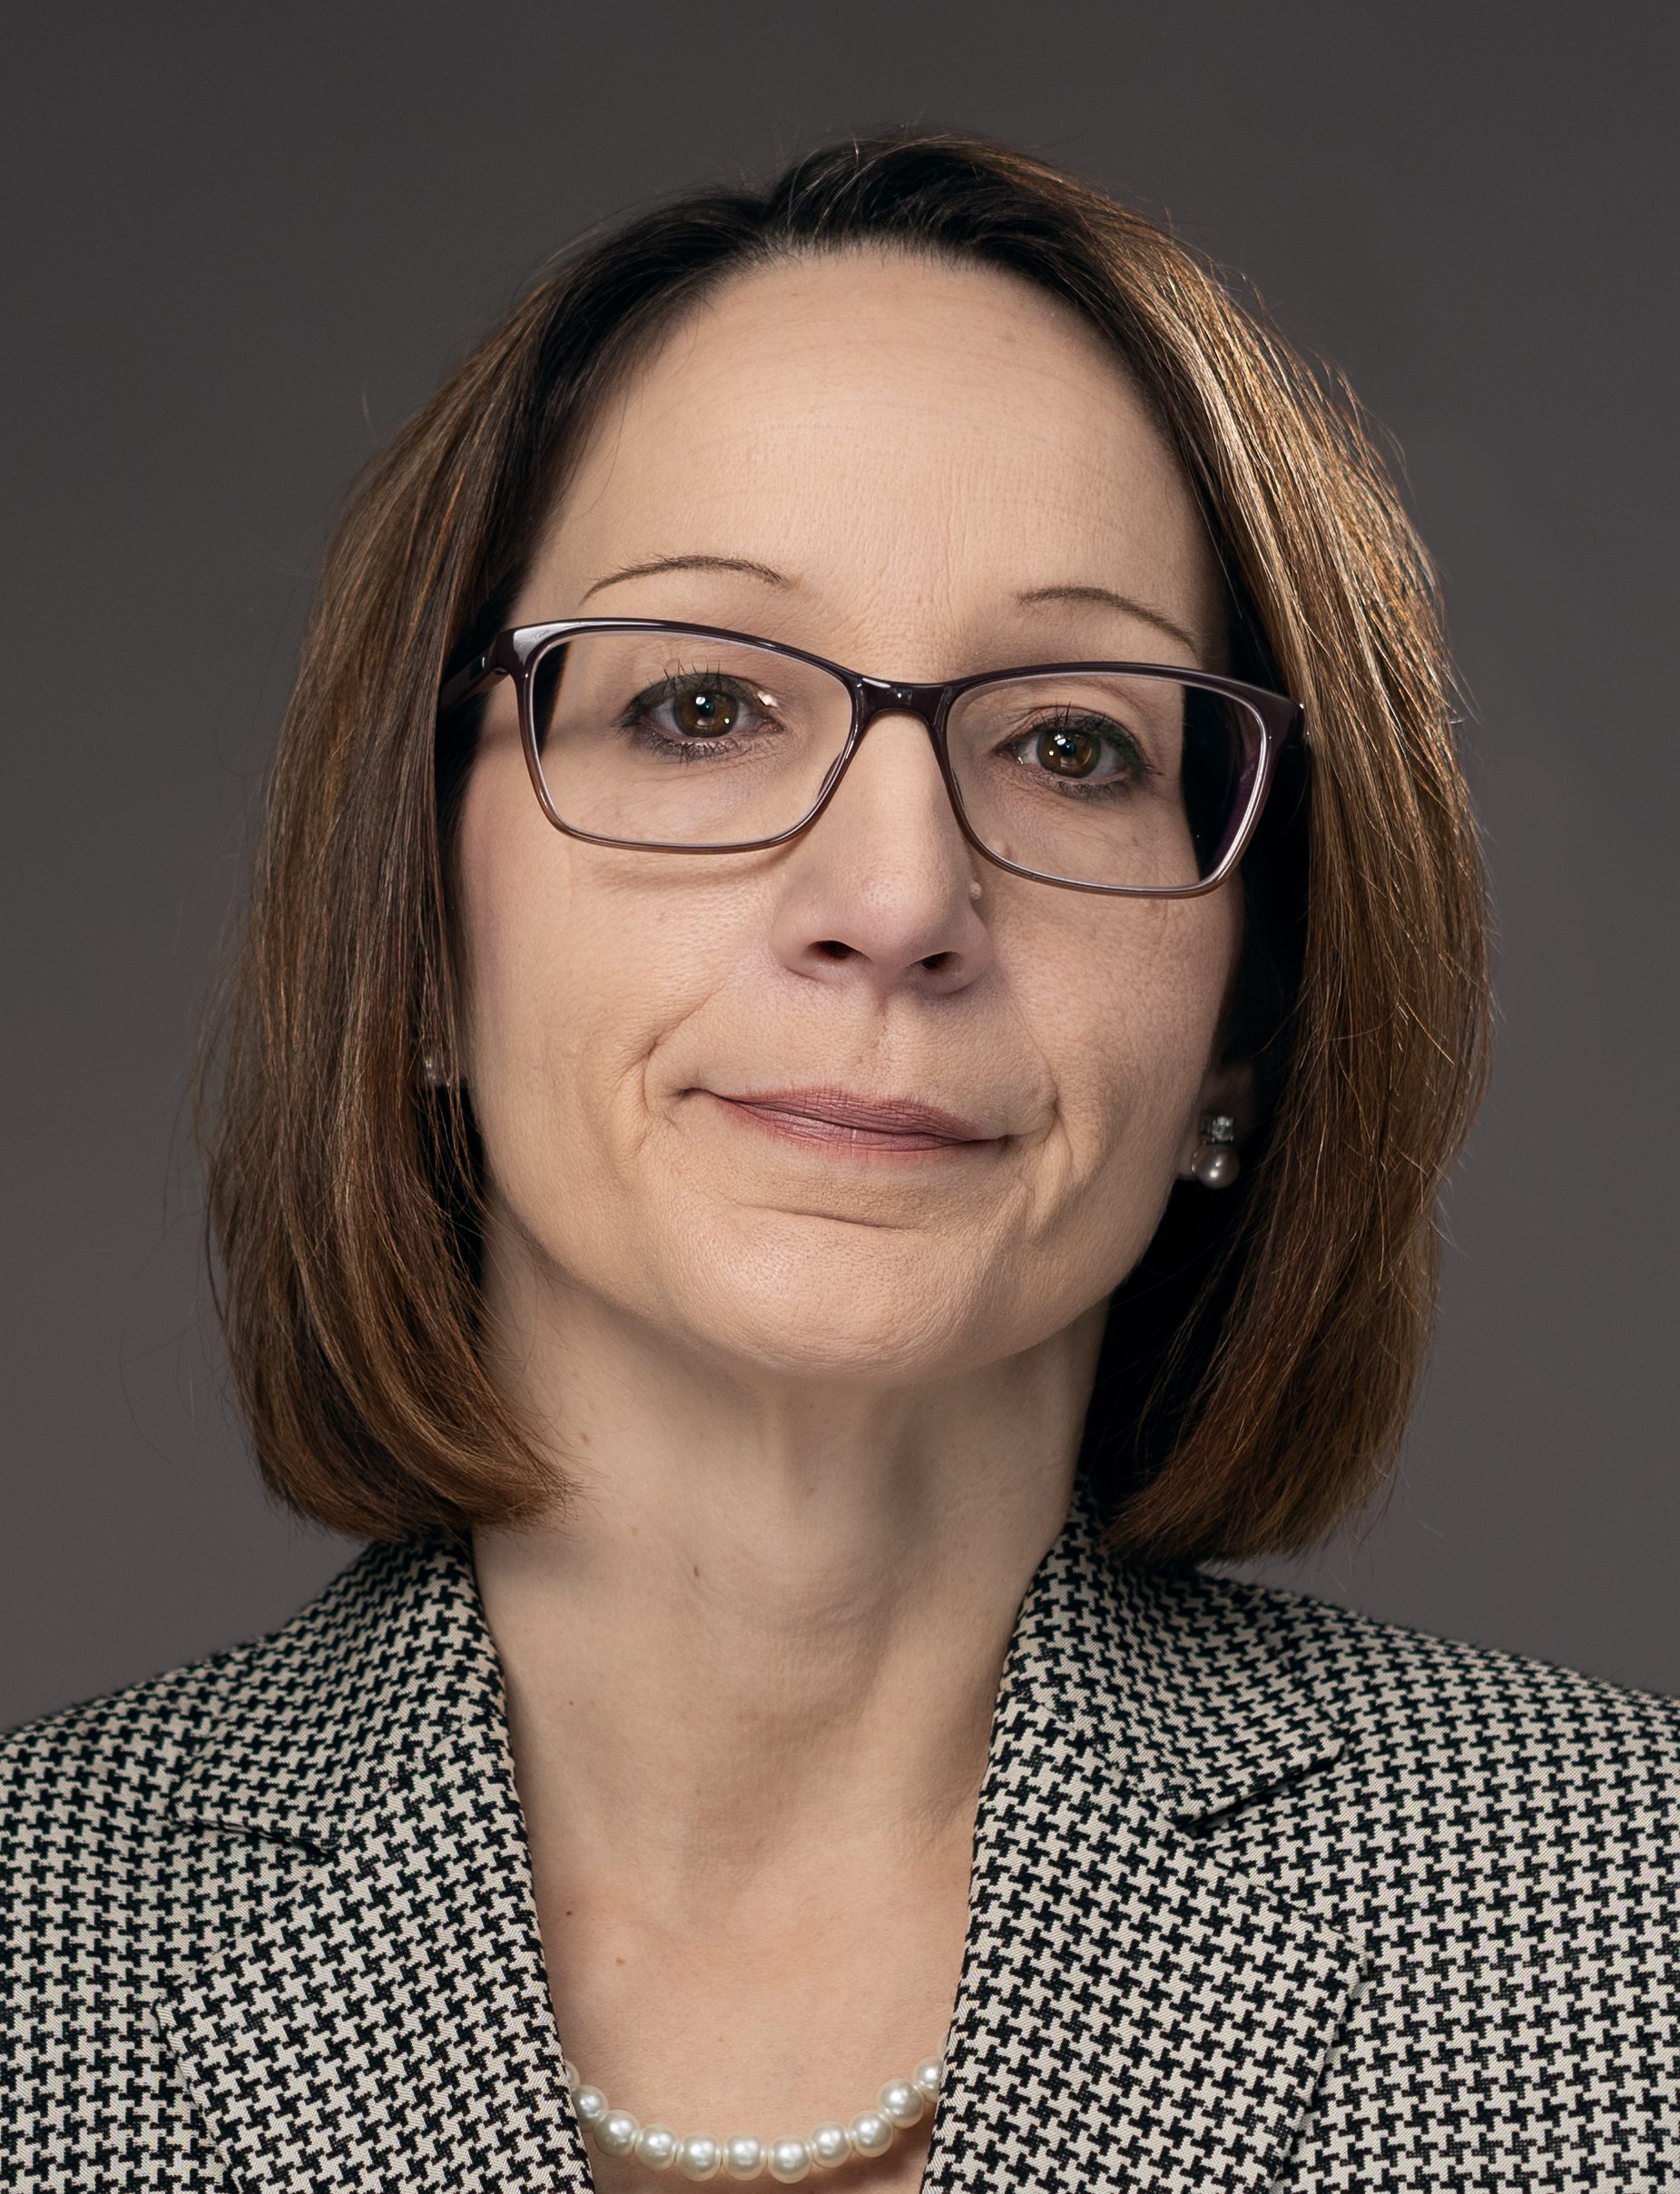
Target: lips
[(890, 1122)]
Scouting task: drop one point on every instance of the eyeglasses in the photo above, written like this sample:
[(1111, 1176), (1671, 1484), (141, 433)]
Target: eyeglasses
[(1136, 778)]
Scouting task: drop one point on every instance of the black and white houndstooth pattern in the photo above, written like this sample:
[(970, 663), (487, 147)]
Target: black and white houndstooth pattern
[(1265, 1894)]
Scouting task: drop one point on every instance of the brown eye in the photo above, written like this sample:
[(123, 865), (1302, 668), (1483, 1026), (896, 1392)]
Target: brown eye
[(705, 711), (1068, 749)]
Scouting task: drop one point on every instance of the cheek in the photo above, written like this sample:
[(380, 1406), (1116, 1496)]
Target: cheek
[(531, 964), (573, 968), (1134, 1023)]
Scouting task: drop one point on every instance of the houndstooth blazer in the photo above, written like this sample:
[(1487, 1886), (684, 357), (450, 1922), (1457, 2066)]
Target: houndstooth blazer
[(1265, 1894)]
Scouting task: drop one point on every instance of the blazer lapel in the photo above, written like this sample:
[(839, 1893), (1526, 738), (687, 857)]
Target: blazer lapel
[(363, 2002), (1132, 2012)]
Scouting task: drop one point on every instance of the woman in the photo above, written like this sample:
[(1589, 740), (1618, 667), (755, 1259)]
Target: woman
[(797, 1190)]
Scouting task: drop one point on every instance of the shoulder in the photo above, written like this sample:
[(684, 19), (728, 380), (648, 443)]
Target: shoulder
[(141, 1828), (99, 1893), (86, 1793), (1295, 1715), (116, 1758), (1468, 1770), (1412, 1696), (93, 1891), (1498, 1837), (104, 1767)]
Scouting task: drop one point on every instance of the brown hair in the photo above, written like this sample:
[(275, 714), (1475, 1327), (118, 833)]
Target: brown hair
[(1261, 1360)]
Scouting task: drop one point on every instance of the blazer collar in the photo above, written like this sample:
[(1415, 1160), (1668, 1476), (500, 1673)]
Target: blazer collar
[(1135, 2008)]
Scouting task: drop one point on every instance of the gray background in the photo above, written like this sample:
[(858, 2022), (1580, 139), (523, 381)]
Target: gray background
[(243, 243)]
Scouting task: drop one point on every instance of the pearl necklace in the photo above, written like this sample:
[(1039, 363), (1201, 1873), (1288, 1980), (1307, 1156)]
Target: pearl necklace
[(902, 2102)]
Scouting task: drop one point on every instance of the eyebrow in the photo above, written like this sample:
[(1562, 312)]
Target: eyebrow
[(1104, 595), (1111, 600), (657, 564)]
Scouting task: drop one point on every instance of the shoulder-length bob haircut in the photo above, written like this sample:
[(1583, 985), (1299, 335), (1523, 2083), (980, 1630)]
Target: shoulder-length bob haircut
[(1262, 1359)]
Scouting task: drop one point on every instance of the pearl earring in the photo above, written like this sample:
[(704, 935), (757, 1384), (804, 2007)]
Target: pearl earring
[(1216, 1164)]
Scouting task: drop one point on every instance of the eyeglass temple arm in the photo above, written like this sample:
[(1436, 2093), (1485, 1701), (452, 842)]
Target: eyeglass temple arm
[(470, 680)]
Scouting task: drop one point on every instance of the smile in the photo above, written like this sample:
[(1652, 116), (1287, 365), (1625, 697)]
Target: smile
[(839, 1121)]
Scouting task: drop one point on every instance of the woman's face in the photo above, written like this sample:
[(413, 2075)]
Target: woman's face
[(895, 454)]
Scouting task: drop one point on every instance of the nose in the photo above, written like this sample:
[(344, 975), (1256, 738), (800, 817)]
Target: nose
[(880, 890)]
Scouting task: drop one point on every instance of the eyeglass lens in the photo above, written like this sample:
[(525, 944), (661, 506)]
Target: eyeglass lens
[(1096, 777)]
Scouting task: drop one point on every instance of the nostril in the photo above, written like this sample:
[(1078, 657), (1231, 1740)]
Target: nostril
[(833, 949)]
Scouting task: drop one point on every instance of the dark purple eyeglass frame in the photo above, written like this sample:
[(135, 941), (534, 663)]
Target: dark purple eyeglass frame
[(516, 652)]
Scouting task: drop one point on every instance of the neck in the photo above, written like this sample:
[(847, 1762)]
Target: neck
[(764, 1634)]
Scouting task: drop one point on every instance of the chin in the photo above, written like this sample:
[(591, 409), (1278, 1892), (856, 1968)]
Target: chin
[(874, 1304)]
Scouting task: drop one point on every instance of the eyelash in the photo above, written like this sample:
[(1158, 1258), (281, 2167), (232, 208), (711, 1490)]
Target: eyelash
[(634, 719), (1138, 765)]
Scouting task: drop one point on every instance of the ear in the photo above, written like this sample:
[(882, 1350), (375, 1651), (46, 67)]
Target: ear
[(1228, 1088)]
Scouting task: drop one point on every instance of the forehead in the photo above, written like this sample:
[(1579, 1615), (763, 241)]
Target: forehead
[(911, 444)]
